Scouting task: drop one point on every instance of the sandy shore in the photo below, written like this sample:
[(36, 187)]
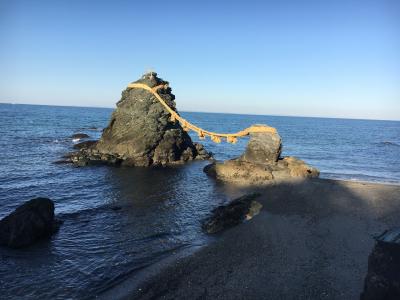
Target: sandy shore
[(310, 241)]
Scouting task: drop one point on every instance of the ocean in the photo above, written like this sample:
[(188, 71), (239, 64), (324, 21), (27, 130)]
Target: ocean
[(118, 221)]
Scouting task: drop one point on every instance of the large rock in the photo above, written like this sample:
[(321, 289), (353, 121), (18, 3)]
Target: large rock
[(30, 222), (383, 277), (140, 132), (261, 163)]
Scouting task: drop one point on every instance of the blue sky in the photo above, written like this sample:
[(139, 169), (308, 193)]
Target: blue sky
[(306, 58)]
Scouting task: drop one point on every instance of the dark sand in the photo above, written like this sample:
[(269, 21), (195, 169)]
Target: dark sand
[(310, 241)]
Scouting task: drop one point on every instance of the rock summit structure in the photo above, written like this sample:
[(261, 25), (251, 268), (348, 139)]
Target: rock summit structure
[(140, 132), (261, 163)]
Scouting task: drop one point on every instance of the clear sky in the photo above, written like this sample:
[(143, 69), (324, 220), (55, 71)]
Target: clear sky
[(308, 58)]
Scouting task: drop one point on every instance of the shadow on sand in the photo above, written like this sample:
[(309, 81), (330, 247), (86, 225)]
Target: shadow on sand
[(310, 241)]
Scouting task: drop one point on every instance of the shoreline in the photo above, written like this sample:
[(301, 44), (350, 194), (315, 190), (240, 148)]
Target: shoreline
[(391, 183), (218, 112), (320, 229)]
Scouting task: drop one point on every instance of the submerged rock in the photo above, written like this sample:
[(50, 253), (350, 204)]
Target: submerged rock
[(30, 222), (240, 209), (383, 277), (140, 132), (79, 136), (261, 163)]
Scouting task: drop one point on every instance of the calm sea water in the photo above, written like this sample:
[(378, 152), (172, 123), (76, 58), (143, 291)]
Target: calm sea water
[(161, 209)]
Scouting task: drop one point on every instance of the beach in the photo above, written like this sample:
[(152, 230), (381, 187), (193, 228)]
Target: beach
[(311, 240)]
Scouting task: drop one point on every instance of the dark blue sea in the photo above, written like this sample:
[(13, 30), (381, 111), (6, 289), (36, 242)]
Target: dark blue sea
[(160, 209)]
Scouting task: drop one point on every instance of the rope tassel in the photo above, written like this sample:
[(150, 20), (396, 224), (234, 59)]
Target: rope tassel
[(216, 139), (231, 139), (201, 135)]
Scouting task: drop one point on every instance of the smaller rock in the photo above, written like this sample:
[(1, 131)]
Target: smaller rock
[(68, 155), (79, 136), (263, 148), (201, 152), (240, 209), (66, 158), (261, 163), (298, 168), (85, 144), (30, 222)]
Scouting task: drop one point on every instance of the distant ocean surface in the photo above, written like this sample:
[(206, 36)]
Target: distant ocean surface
[(159, 210)]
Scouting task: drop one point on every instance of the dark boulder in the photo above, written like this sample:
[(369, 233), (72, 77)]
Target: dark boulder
[(30, 222), (234, 213), (79, 136), (383, 277)]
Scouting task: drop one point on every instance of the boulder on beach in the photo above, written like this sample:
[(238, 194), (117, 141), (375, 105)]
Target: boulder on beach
[(383, 277), (30, 222), (226, 216), (140, 132), (261, 163)]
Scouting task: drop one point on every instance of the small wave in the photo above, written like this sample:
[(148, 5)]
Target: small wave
[(76, 140), (90, 211), (388, 143)]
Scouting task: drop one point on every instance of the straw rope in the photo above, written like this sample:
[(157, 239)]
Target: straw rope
[(187, 126)]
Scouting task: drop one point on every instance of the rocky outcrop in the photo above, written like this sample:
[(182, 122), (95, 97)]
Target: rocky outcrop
[(383, 277), (261, 163), (140, 132), (240, 209), (84, 145), (30, 222)]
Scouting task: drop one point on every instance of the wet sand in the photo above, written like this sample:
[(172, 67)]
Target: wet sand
[(310, 241)]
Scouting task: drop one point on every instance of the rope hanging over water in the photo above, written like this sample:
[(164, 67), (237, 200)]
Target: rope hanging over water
[(187, 126)]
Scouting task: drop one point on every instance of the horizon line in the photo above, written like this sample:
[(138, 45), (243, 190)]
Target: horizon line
[(215, 112)]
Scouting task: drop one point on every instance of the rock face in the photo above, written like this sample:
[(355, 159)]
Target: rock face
[(263, 148), (84, 145), (240, 209), (30, 222), (261, 163), (140, 132), (383, 277)]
